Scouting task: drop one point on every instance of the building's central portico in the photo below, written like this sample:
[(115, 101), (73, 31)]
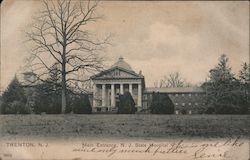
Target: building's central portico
[(108, 84)]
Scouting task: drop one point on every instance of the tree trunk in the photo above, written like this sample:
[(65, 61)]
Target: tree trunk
[(64, 87), (63, 93)]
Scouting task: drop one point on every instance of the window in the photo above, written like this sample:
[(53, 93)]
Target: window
[(196, 103), (189, 104), (189, 94), (176, 95), (183, 95), (176, 104), (183, 104)]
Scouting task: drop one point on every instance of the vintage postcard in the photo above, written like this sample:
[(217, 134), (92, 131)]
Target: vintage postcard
[(124, 80)]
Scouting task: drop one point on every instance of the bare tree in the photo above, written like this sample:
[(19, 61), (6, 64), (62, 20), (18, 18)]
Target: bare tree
[(59, 36), (172, 80)]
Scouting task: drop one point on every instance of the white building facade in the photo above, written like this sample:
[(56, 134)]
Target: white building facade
[(108, 84)]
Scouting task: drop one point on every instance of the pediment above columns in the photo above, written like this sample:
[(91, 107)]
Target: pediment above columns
[(116, 73)]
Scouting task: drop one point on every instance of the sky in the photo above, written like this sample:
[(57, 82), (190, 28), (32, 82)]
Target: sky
[(156, 37)]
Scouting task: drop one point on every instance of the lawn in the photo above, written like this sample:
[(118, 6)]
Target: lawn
[(124, 126)]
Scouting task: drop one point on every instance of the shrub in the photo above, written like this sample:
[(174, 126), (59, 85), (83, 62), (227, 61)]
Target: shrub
[(16, 107), (81, 105), (126, 104), (210, 110), (5, 108), (226, 109), (161, 104), (55, 104), (25, 109)]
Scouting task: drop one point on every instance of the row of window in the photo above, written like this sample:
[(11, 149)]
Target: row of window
[(183, 104), (176, 95), (145, 103)]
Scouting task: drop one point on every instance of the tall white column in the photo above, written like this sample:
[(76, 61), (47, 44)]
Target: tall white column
[(139, 95), (94, 95), (103, 95), (131, 89), (112, 95), (121, 89)]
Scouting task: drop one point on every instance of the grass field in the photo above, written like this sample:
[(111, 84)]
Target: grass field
[(124, 126)]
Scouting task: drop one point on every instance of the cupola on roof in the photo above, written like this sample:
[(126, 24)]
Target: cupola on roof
[(122, 64)]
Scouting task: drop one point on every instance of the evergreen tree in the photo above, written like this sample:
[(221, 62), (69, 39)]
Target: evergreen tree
[(47, 97), (161, 104), (222, 89), (126, 104), (14, 99), (14, 92), (244, 78)]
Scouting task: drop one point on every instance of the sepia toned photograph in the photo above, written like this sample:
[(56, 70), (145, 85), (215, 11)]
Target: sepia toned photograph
[(124, 80)]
